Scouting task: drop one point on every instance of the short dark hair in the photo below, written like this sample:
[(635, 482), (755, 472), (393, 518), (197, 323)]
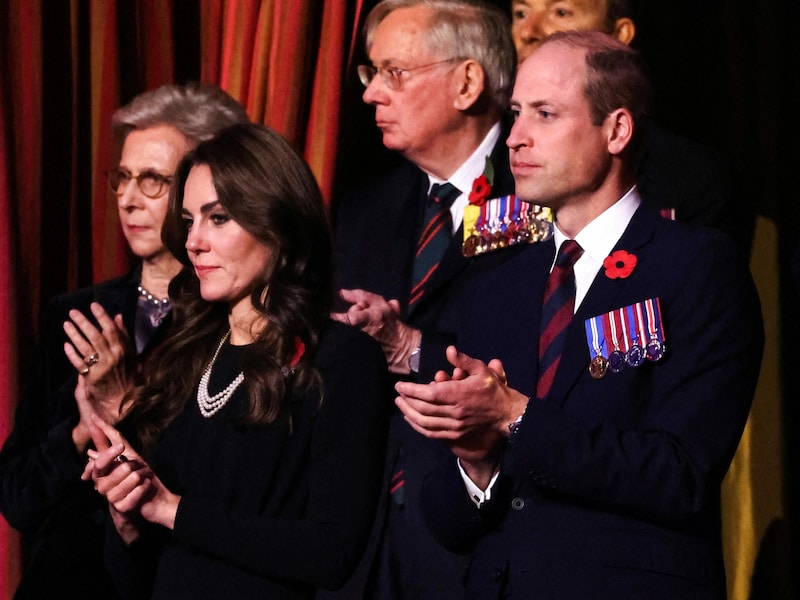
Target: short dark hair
[(616, 77)]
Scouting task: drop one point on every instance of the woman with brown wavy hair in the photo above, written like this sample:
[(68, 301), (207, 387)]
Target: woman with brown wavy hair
[(256, 436)]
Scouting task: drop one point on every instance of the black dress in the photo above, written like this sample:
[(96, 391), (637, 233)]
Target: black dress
[(273, 511)]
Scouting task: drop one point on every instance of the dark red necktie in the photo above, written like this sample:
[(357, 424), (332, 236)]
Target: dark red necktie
[(437, 232), (558, 306)]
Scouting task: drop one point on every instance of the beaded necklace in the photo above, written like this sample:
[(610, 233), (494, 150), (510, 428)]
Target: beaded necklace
[(161, 306), (210, 405)]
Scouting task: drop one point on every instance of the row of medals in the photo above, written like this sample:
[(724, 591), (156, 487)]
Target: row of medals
[(634, 357)]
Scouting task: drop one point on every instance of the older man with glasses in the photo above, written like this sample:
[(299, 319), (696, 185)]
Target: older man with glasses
[(439, 77)]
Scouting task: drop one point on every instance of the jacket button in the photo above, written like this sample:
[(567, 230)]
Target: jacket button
[(518, 503)]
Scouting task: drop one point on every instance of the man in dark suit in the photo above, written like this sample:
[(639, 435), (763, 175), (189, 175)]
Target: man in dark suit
[(678, 177), (592, 445), (439, 80)]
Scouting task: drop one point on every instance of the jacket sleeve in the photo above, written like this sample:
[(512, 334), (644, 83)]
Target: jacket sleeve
[(39, 464)]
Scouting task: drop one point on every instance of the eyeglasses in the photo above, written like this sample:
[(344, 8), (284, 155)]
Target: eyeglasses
[(392, 76), (150, 183)]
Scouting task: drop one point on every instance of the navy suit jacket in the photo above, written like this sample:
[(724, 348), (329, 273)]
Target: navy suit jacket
[(377, 229), (610, 488)]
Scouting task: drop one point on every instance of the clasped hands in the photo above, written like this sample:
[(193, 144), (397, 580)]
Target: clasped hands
[(133, 491), (105, 359), (380, 318), (468, 409)]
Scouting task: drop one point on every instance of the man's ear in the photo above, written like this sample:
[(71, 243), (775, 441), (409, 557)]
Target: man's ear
[(469, 79), (624, 30), (619, 130)]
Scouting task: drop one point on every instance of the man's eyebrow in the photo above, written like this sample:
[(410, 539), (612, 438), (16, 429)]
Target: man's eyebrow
[(532, 104)]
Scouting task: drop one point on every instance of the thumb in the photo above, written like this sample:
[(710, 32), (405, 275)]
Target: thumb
[(120, 324), (496, 365), (463, 361), (100, 439), (351, 296), (395, 306), (109, 432)]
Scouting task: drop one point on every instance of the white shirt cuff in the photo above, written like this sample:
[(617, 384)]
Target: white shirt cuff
[(476, 494)]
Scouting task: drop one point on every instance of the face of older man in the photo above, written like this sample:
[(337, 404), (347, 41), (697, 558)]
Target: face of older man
[(558, 156), (417, 116), (534, 20)]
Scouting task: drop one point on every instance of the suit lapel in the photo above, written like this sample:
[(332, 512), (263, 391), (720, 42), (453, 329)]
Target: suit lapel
[(602, 297), (453, 261), (405, 213)]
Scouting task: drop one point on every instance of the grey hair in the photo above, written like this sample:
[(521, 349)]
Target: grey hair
[(197, 110), (467, 29)]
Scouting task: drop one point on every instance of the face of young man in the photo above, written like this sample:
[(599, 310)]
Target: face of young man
[(533, 20), (559, 157), (415, 116)]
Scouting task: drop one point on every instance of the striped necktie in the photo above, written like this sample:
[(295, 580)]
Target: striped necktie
[(558, 306), (437, 231)]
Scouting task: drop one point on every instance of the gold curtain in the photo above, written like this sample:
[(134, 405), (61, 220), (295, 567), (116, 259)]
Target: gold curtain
[(284, 62)]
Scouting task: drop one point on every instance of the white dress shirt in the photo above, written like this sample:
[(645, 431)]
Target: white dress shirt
[(467, 173)]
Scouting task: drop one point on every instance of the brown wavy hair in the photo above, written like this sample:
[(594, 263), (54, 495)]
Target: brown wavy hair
[(267, 188)]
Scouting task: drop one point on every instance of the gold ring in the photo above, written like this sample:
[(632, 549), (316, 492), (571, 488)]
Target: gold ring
[(92, 359)]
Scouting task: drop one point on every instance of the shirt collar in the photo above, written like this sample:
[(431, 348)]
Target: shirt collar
[(466, 174), (600, 236)]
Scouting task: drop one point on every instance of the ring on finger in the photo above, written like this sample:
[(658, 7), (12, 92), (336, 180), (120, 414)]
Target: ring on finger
[(121, 459), (92, 359)]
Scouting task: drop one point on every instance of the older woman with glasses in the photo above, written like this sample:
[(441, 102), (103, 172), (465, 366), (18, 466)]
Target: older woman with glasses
[(109, 328)]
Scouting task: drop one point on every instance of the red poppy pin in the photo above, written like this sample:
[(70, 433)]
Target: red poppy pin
[(482, 186), (619, 264), (300, 349)]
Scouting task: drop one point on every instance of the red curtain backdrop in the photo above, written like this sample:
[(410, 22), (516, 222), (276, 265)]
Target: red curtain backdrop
[(283, 61), (65, 67)]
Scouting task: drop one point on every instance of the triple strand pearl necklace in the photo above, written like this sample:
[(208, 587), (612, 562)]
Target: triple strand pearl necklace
[(210, 405)]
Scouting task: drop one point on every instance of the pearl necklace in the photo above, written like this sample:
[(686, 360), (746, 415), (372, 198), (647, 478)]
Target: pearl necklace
[(162, 306), (210, 405)]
